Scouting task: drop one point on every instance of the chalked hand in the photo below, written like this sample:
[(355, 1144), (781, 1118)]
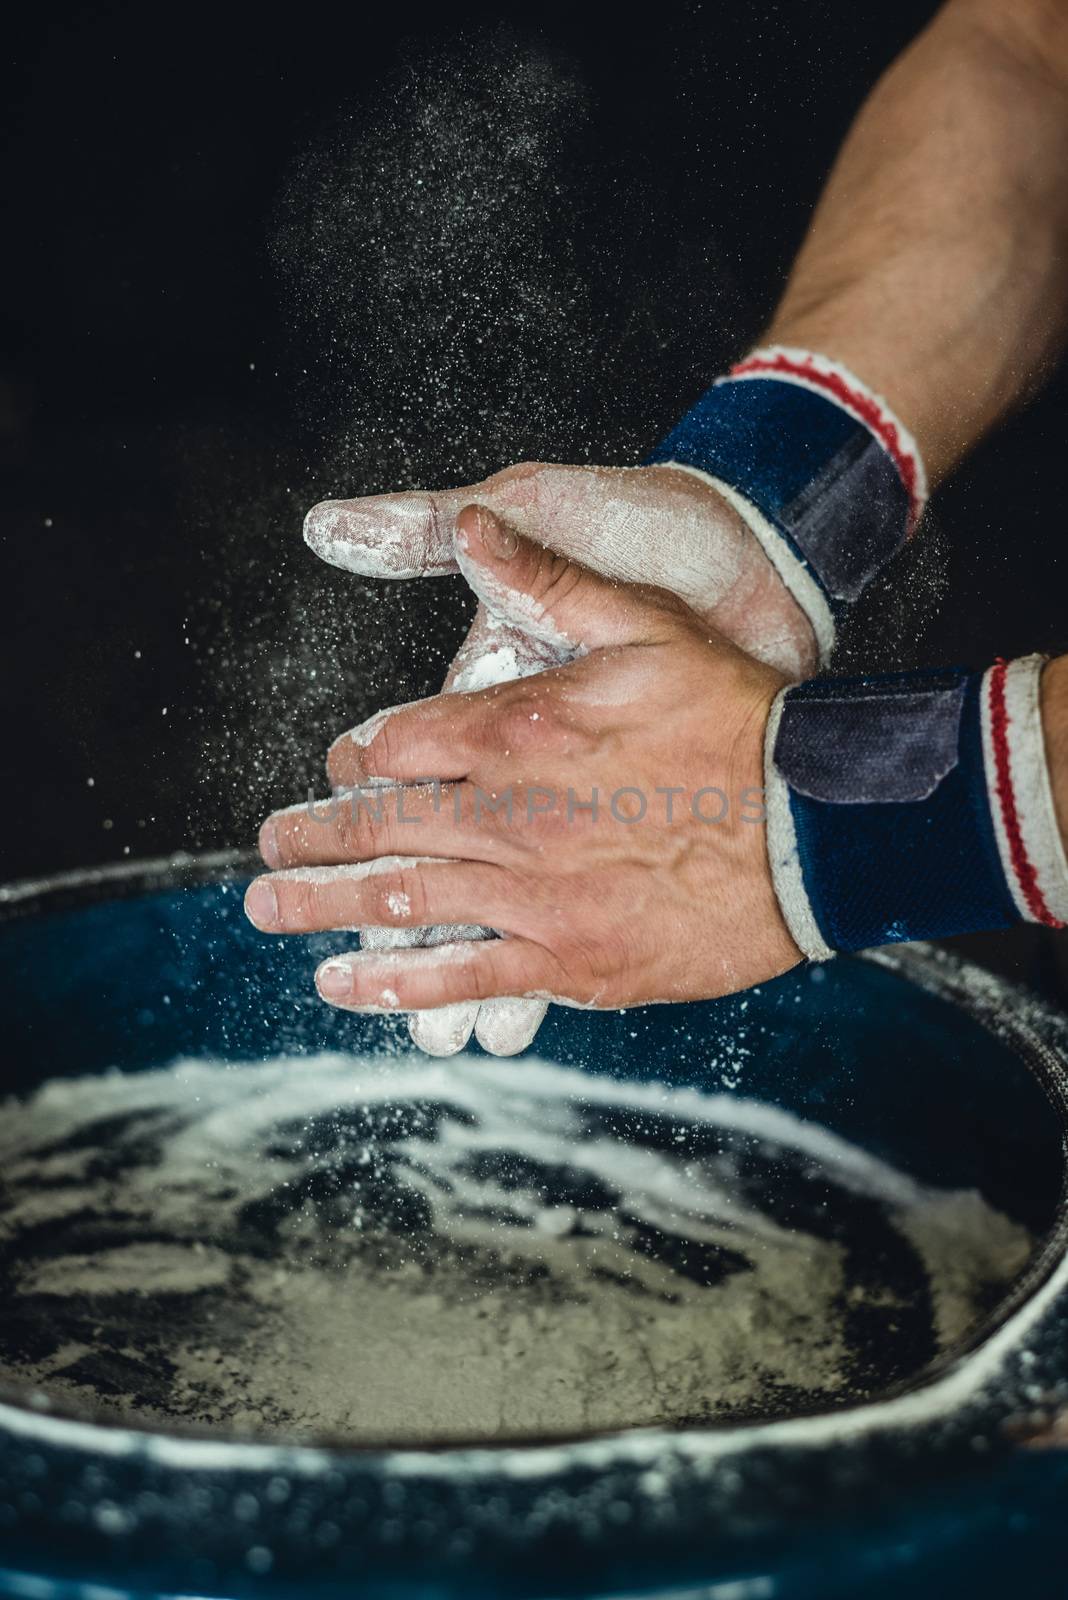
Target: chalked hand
[(604, 815), (662, 525), (657, 525)]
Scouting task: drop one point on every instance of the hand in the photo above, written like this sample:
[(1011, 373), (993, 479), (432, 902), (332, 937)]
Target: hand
[(658, 525), (663, 526), (639, 903)]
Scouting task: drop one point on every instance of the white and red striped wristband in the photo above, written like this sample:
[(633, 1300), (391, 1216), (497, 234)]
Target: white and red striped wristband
[(912, 806), (828, 479), (1025, 818)]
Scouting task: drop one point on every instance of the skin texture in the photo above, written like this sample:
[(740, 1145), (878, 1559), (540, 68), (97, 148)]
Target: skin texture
[(657, 525), (936, 263), (595, 912)]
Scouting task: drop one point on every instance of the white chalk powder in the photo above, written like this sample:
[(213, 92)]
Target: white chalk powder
[(336, 1247)]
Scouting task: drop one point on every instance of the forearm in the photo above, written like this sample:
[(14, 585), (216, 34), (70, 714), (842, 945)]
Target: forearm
[(936, 265), (930, 296)]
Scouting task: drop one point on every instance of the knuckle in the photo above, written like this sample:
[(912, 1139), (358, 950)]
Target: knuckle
[(555, 577), (297, 836), (522, 722), (348, 832), (402, 896), (307, 901), (517, 475), (357, 835), (307, 905), (386, 749)]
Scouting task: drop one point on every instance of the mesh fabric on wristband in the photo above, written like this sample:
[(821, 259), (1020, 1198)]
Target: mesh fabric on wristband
[(816, 464), (912, 806)]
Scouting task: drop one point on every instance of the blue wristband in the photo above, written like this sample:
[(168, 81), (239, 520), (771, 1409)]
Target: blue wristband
[(912, 806), (818, 466)]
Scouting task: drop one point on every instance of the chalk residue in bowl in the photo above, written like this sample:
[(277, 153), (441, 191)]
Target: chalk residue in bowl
[(330, 1247)]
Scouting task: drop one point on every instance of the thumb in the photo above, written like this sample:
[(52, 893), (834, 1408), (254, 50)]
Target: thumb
[(388, 535), (528, 586)]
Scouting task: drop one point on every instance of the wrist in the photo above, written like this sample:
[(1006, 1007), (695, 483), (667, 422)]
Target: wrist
[(819, 468), (904, 381), (1053, 701), (912, 806)]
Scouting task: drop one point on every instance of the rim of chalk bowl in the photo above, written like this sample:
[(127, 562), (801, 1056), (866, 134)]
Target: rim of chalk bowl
[(955, 1465)]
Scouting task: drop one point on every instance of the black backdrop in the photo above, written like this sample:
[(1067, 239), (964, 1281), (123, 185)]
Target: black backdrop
[(253, 256)]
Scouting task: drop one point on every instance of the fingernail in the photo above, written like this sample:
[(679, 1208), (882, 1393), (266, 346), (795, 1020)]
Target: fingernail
[(499, 539), (261, 903), (269, 849), (334, 979)]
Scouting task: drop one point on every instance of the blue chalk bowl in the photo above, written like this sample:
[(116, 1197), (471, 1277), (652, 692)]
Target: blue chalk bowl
[(760, 1297)]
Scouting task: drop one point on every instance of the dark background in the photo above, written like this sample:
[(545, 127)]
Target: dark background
[(255, 256)]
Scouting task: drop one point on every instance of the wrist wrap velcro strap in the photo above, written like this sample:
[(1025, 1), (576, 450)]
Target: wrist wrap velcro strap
[(818, 466), (912, 806)]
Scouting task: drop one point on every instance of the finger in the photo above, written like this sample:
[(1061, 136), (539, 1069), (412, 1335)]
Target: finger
[(445, 1030), (507, 1026), (445, 975), (388, 535), (409, 535), (401, 744), (456, 822), (391, 892), (492, 653), (554, 600), (419, 740), (505, 736)]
